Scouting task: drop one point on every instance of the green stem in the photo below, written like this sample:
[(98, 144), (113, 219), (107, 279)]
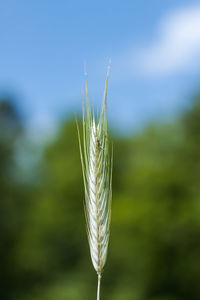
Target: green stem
[(98, 286)]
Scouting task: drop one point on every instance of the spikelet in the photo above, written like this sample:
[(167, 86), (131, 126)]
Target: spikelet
[(96, 162)]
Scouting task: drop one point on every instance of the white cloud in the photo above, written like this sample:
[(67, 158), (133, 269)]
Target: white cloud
[(177, 46), (42, 126)]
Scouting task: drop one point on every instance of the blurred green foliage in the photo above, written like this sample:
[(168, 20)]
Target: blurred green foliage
[(155, 232)]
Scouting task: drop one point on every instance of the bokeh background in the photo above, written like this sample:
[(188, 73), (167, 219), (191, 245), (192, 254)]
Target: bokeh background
[(154, 122)]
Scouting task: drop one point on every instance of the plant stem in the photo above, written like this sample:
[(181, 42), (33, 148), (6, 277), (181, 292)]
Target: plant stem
[(98, 286)]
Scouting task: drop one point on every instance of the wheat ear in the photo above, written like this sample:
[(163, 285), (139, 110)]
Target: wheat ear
[(96, 159)]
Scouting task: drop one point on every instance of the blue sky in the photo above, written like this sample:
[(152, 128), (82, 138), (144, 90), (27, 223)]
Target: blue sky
[(154, 47)]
